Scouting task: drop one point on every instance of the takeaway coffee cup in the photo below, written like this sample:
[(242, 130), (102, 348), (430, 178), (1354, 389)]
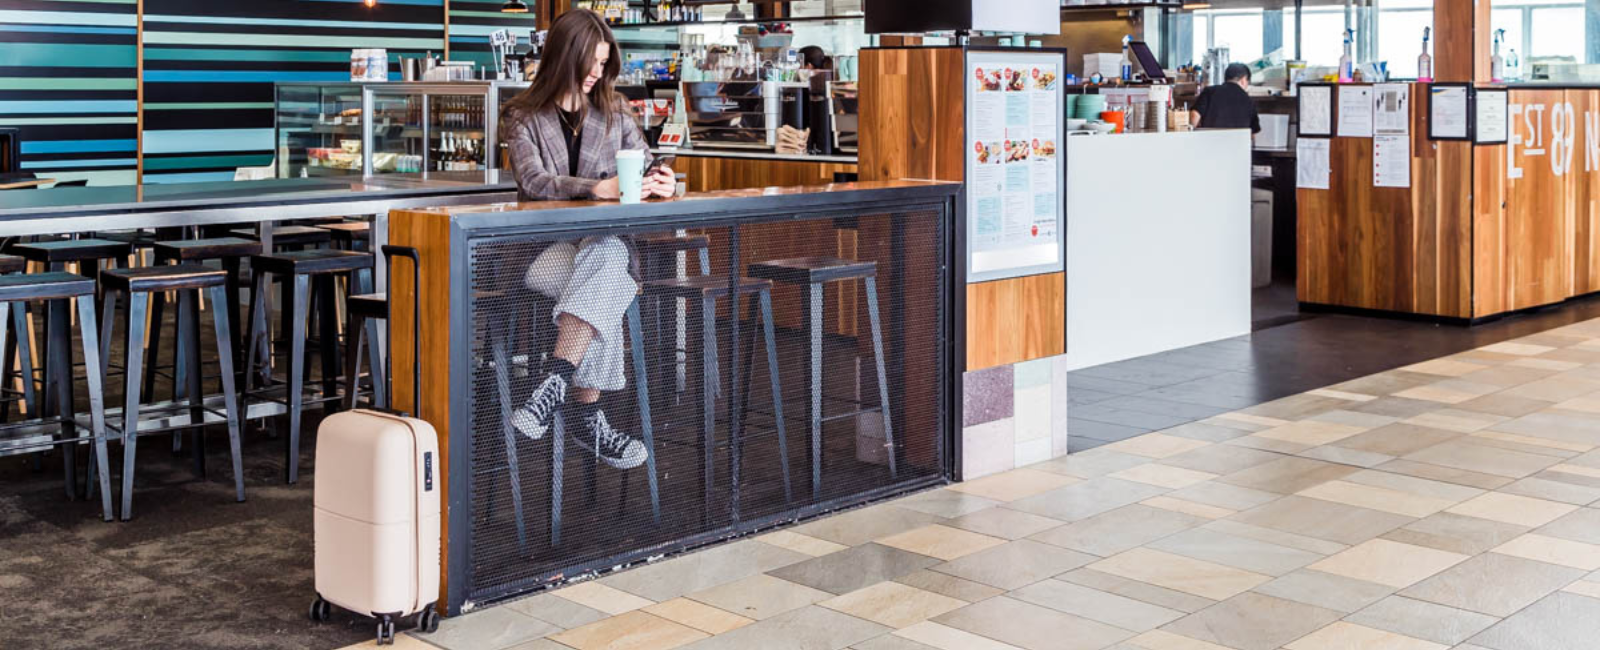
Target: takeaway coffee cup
[(630, 174)]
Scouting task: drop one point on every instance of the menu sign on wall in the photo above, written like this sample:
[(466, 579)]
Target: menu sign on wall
[(1014, 166)]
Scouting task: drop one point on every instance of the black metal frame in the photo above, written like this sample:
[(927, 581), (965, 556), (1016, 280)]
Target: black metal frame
[(1299, 107), (1476, 93), (1471, 116), (942, 200)]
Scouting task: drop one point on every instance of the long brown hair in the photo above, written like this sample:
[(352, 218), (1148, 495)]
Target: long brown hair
[(568, 57)]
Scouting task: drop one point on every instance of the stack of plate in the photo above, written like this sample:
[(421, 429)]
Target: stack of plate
[(1089, 107)]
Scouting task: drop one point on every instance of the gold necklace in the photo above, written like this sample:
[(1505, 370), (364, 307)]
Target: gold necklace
[(574, 129)]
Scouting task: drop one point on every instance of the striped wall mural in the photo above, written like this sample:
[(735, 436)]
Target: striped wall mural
[(68, 74), (68, 81)]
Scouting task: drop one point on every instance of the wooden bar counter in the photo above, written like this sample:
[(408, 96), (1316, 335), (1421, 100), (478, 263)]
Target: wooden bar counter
[(1484, 230), (523, 512)]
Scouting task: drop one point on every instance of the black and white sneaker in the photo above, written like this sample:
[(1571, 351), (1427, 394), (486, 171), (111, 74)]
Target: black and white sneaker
[(616, 448), (533, 419)]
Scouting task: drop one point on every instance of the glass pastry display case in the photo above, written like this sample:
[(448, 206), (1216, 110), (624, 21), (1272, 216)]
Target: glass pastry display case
[(384, 128)]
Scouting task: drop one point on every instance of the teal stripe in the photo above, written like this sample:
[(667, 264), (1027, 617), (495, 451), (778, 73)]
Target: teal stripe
[(198, 177), (66, 83), (288, 40), (207, 140), (74, 164), (206, 162), (68, 18), (298, 56), (46, 55), (76, 107), (288, 22)]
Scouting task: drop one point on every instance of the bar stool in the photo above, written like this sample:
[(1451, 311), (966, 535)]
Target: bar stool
[(17, 348), (230, 251), (502, 336), (288, 237), (298, 268), (812, 273), (658, 257), (707, 290), (350, 235), (363, 308), (57, 289), (188, 280)]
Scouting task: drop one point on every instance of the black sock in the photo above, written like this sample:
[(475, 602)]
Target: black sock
[(579, 412), (560, 366)]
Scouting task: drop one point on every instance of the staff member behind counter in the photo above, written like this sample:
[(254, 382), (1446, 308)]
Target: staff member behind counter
[(564, 133), (1227, 105)]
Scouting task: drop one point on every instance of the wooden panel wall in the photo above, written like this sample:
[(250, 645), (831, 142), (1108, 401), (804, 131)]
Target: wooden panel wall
[(1461, 37), (429, 233), (1393, 249), (913, 125), (709, 174)]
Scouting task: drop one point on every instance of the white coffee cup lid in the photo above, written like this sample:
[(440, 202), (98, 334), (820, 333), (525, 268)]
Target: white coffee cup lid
[(631, 153)]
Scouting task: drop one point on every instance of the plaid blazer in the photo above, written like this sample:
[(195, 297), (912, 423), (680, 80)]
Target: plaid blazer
[(539, 152)]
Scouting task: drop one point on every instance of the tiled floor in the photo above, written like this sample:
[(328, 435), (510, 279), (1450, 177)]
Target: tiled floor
[(1453, 503), (1292, 352)]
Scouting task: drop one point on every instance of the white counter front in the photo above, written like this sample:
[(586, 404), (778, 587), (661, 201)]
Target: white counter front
[(1158, 242)]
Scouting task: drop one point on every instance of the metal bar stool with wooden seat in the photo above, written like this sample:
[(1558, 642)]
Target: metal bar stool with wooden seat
[(501, 340), (363, 308), (658, 260), (188, 280), (18, 349), (57, 289), (287, 237), (708, 290), (231, 252), (298, 269), (811, 273), (350, 235)]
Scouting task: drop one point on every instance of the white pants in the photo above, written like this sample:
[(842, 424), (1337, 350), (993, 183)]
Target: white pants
[(589, 281)]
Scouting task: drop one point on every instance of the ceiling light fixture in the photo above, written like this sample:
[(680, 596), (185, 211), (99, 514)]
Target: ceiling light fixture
[(1196, 5), (514, 7), (370, 3)]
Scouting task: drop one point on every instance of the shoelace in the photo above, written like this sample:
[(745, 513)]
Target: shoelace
[(545, 402), (608, 441)]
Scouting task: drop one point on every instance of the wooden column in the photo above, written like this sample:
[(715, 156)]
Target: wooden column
[(1462, 40)]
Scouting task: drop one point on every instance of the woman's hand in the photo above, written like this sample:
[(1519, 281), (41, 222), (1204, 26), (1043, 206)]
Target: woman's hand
[(661, 184), (607, 190)]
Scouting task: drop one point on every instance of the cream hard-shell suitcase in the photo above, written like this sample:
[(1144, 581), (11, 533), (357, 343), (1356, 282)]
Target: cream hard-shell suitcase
[(376, 517)]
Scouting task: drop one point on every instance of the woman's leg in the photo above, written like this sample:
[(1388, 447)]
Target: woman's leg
[(573, 338)]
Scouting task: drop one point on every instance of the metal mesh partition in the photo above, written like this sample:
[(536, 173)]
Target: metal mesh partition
[(619, 410)]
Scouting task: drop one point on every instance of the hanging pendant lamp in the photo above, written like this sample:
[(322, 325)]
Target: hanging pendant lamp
[(514, 7)]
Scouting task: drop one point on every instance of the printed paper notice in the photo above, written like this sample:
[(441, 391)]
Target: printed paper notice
[(1355, 111), (1391, 109), (1312, 164), (1316, 110), (1492, 125), (1391, 161), (1447, 114)]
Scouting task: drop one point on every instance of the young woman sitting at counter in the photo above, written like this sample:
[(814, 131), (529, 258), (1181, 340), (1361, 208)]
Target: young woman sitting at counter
[(564, 133)]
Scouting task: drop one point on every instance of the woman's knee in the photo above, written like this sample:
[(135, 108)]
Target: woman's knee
[(609, 251)]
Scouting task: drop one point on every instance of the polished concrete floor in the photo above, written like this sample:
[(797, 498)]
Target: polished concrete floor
[(1451, 503)]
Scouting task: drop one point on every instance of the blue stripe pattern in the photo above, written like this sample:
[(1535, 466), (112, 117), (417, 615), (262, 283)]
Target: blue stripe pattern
[(78, 146)]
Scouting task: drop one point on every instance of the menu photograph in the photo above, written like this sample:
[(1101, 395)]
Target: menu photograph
[(1013, 194)]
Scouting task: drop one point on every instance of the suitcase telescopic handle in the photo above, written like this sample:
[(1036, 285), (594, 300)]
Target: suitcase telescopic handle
[(389, 253)]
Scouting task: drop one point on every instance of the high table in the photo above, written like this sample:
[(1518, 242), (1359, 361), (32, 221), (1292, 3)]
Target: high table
[(71, 210), (517, 515)]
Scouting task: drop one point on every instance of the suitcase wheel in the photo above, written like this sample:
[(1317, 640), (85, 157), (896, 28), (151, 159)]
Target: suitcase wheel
[(428, 620), (386, 630), (320, 610)]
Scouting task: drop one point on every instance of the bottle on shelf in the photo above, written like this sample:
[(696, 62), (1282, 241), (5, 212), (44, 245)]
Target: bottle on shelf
[(1346, 68), (1424, 61), (1126, 66)]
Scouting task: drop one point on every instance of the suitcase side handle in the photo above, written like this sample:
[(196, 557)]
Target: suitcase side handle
[(391, 251)]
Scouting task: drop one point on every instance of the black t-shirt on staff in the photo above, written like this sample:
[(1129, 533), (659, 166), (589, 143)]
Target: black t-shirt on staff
[(1227, 106)]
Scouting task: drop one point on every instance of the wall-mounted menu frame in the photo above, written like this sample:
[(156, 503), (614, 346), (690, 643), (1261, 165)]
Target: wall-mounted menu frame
[(1491, 121), (1316, 110), (1015, 163), (1450, 111)]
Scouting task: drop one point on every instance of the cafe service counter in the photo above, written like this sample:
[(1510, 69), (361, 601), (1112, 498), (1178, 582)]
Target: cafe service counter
[(1158, 242), (712, 170), (874, 331), (1484, 230)]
